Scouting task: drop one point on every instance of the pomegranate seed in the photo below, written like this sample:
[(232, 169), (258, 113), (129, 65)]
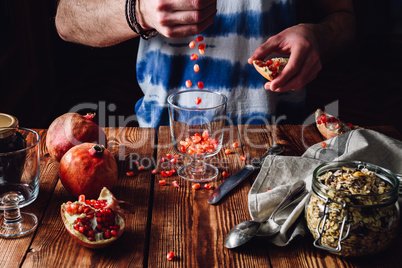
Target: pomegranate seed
[(173, 160), (162, 182), (277, 63), (81, 229), (207, 186), (129, 173), (183, 149), (268, 189), (168, 156), (196, 68), (154, 171), (225, 174), (196, 186), (228, 151), (162, 159), (168, 173), (81, 198), (198, 100), (194, 56), (200, 85), (113, 233), (269, 62), (191, 44), (323, 144), (235, 144), (199, 38), (188, 83), (170, 255), (243, 158), (173, 171), (202, 46), (140, 168), (164, 174), (176, 184)]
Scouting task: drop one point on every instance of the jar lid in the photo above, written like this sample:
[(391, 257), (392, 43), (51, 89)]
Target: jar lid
[(7, 121)]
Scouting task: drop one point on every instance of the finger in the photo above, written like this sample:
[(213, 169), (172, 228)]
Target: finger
[(184, 5), (266, 49), (177, 31), (301, 79), (187, 17)]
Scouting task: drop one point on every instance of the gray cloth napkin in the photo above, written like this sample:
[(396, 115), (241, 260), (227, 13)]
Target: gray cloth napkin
[(278, 173)]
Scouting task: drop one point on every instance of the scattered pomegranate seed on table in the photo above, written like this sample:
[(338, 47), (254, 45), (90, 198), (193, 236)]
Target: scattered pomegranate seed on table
[(168, 156), (154, 171), (225, 174), (162, 182), (323, 144), (243, 158), (196, 186), (207, 186), (140, 168), (176, 184), (129, 173), (228, 151), (170, 255), (235, 144)]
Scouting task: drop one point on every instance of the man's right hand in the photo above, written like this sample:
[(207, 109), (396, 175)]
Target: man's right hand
[(176, 18)]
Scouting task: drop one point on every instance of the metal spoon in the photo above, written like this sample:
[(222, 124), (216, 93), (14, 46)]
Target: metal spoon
[(244, 231)]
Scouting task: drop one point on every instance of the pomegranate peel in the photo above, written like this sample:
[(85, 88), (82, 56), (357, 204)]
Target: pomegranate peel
[(71, 129), (331, 126), (84, 223)]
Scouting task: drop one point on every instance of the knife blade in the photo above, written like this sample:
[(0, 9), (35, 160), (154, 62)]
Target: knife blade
[(239, 176)]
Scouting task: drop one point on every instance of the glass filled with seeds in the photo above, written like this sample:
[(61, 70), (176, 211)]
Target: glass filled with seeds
[(353, 208)]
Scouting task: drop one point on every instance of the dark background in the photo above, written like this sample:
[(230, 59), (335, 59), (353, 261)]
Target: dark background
[(42, 77)]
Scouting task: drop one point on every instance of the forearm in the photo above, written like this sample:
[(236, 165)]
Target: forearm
[(95, 23), (335, 32)]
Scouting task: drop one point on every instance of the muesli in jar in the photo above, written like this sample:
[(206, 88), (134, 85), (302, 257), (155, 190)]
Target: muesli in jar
[(353, 208)]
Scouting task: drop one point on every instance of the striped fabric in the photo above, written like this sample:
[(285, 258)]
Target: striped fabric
[(164, 65)]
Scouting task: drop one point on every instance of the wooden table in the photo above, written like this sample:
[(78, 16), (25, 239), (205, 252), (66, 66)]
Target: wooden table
[(175, 219)]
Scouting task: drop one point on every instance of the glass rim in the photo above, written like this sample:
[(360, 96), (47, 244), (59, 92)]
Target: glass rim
[(394, 186), (171, 96), (24, 149)]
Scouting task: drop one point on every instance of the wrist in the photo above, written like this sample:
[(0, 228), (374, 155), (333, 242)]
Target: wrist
[(132, 20)]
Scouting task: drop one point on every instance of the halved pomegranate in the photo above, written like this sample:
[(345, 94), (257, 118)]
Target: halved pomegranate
[(331, 126), (95, 223)]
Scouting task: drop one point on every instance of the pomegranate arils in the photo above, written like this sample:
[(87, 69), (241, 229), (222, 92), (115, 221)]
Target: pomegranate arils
[(199, 38), (198, 100), (200, 85)]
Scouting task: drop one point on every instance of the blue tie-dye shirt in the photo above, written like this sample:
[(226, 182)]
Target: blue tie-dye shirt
[(240, 26)]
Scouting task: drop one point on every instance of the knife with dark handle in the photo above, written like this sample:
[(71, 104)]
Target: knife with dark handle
[(238, 177)]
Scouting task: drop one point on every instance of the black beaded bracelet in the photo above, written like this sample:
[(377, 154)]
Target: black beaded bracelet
[(133, 23)]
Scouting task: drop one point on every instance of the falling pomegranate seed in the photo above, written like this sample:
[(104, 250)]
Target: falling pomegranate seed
[(235, 144), (196, 186), (188, 83), (200, 85), (198, 100), (225, 174), (323, 144), (191, 44), (201, 48), (243, 158), (129, 173), (196, 68), (228, 151), (199, 38), (194, 56), (162, 182), (170, 255), (207, 186)]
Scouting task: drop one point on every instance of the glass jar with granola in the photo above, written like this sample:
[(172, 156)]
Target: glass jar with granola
[(353, 208)]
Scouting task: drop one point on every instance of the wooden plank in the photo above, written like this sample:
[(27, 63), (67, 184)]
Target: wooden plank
[(53, 246)]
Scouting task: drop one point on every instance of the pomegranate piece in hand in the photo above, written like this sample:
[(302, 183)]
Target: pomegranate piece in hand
[(95, 223)]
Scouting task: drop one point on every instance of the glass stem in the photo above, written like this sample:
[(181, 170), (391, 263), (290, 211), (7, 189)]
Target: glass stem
[(197, 166), (11, 217)]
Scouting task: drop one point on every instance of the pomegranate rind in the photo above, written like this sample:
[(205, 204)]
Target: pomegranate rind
[(332, 129), (71, 129), (264, 72), (82, 239), (96, 171)]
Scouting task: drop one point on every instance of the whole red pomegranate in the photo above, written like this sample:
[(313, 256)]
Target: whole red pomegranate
[(87, 168), (71, 129), (95, 223)]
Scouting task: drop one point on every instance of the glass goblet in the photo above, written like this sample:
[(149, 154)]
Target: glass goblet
[(19, 180), (197, 119)]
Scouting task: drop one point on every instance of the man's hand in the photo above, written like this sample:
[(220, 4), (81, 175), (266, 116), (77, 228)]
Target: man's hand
[(304, 62), (176, 18)]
